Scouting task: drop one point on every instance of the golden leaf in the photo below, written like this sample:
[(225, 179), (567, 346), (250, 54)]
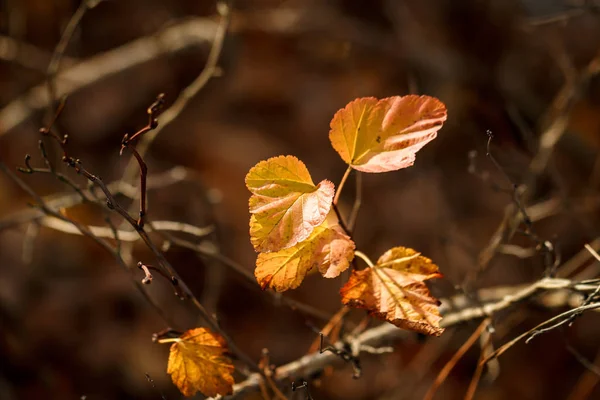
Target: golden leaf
[(286, 206), (327, 249), (383, 135), (394, 291), (197, 363)]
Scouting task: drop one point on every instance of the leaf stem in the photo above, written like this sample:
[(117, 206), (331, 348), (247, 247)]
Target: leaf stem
[(341, 185), (169, 340), (364, 257), (357, 202)]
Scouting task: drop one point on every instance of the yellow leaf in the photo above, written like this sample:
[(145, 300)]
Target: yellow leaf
[(327, 249), (383, 135), (394, 291), (197, 363), (286, 206)]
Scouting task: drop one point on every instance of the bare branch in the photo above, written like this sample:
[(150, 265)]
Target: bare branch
[(60, 49), (26, 55), (180, 36), (455, 310), (127, 236), (84, 231), (67, 200), (210, 70)]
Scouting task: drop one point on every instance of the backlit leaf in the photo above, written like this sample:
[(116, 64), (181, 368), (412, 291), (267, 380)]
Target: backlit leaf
[(197, 363), (394, 291), (383, 135), (327, 249), (286, 206)]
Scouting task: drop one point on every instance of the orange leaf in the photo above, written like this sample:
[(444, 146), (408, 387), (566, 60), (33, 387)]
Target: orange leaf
[(327, 249), (197, 363), (383, 135), (286, 206), (394, 291)]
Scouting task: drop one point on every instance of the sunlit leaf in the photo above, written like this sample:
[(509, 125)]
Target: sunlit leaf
[(327, 249), (383, 135), (197, 364), (394, 291), (286, 206)]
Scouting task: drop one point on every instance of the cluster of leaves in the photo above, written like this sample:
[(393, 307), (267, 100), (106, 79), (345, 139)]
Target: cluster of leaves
[(295, 230)]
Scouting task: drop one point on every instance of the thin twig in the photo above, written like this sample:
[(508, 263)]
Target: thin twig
[(455, 310), (583, 361), (68, 199), (181, 286), (86, 232), (455, 358), (26, 55), (60, 49), (128, 236), (486, 342), (554, 127), (587, 382), (209, 70), (177, 37), (552, 323), (126, 142)]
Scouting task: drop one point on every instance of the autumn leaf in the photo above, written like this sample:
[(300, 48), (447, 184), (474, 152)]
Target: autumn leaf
[(197, 363), (327, 249), (393, 290), (383, 135), (286, 206)]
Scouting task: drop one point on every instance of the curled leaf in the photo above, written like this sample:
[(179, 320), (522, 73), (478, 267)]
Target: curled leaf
[(197, 363), (286, 206), (394, 291), (327, 249), (383, 135)]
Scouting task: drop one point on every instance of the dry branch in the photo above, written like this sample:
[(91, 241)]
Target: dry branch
[(129, 235), (70, 199), (180, 36), (455, 310)]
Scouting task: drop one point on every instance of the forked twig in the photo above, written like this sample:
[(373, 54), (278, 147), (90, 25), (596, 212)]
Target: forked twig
[(126, 142)]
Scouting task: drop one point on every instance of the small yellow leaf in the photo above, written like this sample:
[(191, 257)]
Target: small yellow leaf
[(327, 249), (394, 291), (197, 363), (384, 135), (286, 206)]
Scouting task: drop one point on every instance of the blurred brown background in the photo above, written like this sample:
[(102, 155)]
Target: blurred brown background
[(72, 323)]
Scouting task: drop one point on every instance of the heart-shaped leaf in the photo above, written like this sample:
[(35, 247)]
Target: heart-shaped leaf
[(394, 291), (384, 135), (197, 363), (327, 249), (286, 206)]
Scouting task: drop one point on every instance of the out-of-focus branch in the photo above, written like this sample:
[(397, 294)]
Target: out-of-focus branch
[(26, 55), (180, 36), (86, 232), (555, 124), (210, 69), (66, 200), (60, 49), (455, 310), (127, 236)]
